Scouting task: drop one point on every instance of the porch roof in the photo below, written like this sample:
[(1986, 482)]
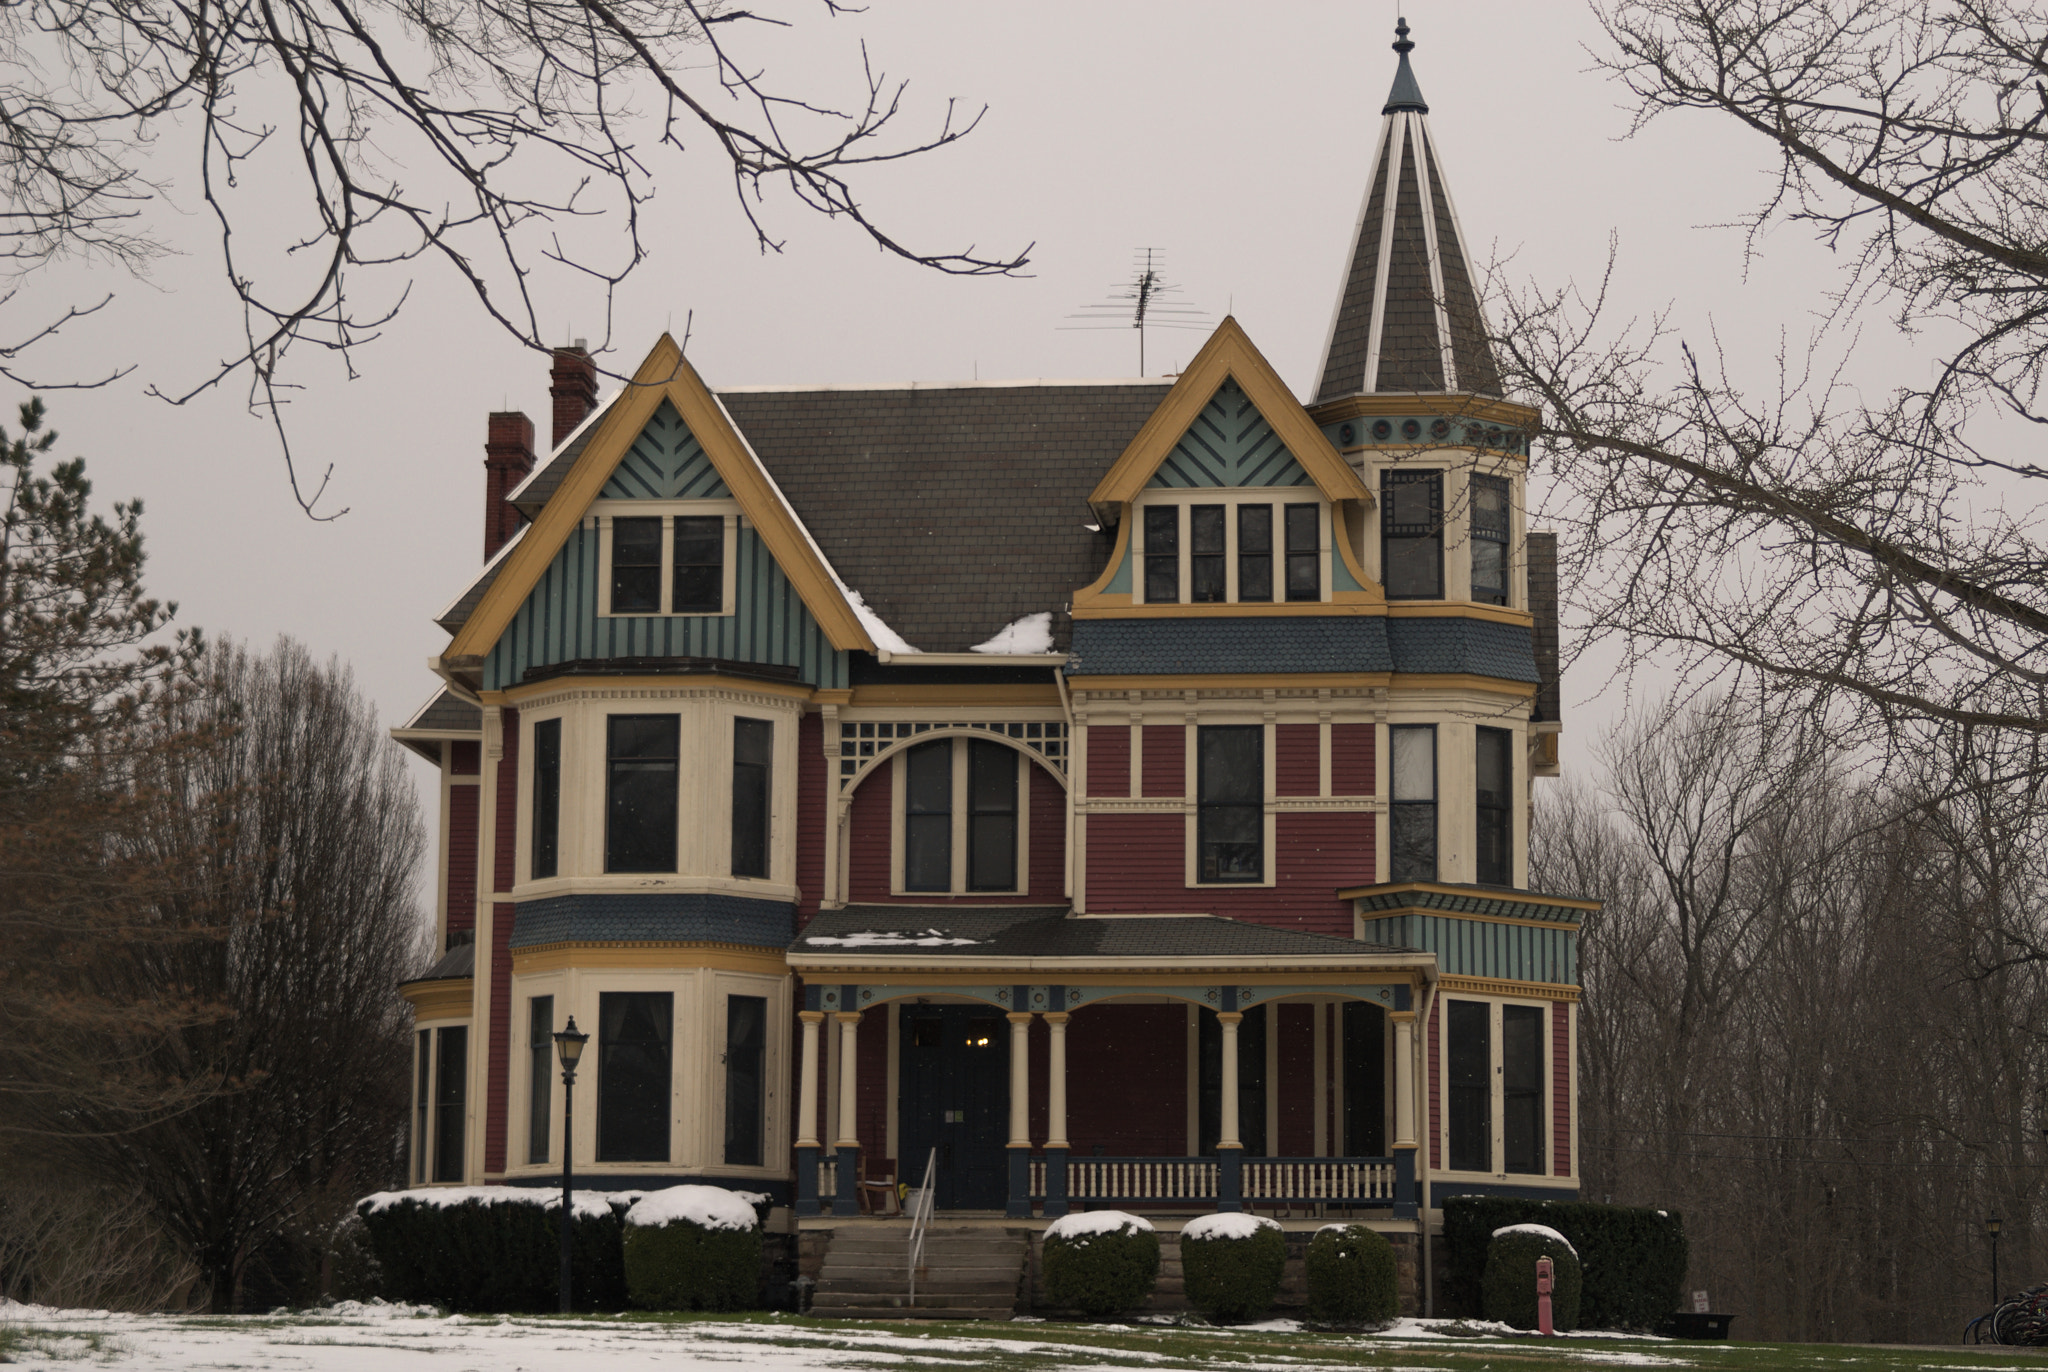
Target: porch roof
[(1012, 935)]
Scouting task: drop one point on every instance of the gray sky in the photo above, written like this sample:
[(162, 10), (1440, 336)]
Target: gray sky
[(1232, 137)]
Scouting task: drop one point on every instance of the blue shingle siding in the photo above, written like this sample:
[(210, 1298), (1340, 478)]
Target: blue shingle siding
[(665, 463), (680, 918), (1480, 647), (1158, 647), (1229, 444), (1483, 948)]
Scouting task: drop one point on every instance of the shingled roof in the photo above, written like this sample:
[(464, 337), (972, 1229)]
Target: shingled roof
[(1038, 931)]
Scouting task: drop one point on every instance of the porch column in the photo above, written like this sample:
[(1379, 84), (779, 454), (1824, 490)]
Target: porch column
[(1019, 1207), (807, 1145), (847, 1145), (1056, 1118), (1229, 1148), (1404, 1114)]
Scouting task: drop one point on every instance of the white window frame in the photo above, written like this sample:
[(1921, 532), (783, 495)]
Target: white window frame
[(1497, 1046), (668, 511), (899, 772), (1274, 496)]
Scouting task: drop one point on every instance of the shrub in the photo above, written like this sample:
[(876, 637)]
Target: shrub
[(1100, 1263), (1351, 1278), (1233, 1265), (1634, 1258), (1508, 1288), (494, 1248), (693, 1248)]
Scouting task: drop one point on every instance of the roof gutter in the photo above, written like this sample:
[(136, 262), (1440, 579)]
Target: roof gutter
[(957, 962), (444, 669), (973, 659)]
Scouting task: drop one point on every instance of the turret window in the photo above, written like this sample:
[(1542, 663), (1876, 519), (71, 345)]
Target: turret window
[(1494, 782), (1411, 815), (1412, 534), (1490, 540)]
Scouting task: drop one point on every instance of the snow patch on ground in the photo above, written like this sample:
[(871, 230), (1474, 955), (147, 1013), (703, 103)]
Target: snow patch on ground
[(884, 938), (1226, 1226), (1091, 1222), (886, 638), (1031, 634), (1540, 1230), (709, 1207)]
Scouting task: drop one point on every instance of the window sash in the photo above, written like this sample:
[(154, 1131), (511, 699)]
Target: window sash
[(422, 1105), (1412, 534), (636, 565), (1162, 554), (928, 817), (1254, 553), (1304, 552), (991, 816), (1469, 1105), (1490, 539), (746, 1054), (697, 577), (1411, 809), (1493, 784), (1521, 1058), (1206, 546), (540, 1042), (451, 1086), (642, 753), (753, 743), (634, 1075), (1230, 803), (544, 858)]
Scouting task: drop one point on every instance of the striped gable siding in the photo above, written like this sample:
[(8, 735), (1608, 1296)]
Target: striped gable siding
[(665, 463), (1229, 444), (559, 622), (1484, 948)]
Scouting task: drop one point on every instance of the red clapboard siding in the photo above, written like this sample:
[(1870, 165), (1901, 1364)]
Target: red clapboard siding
[(1166, 747), (464, 759), (508, 807), (1351, 759), (1109, 759), (1297, 761), (1127, 1080), (1136, 863), (867, 834), (1561, 1087), (1436, 1092), (1046, 882), (462, 815), (810, 817), (1297, 1083), (498, 1035), (871, 1108)]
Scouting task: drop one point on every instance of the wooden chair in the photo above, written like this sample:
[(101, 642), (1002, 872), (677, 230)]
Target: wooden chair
[(877, 1189)]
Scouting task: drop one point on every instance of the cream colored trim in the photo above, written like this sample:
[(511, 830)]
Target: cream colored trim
[(1390, 200), (1523, 990), (1445, 888), (448, 998), (1449, 405), (945, 969), (668, 511), (973, 659), (727, 957)]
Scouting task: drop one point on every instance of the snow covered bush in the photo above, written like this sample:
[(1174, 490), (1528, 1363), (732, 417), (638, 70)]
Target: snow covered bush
[(693, 1248), (1233, 1265), (1103, 1262), (1351, 1276), (494, 1248), (1507, 1291)]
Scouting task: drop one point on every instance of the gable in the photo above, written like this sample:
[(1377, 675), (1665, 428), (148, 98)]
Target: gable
[(1229, 444), (666, 462)]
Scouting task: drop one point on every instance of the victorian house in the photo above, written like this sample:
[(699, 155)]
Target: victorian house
[(1101, 793)]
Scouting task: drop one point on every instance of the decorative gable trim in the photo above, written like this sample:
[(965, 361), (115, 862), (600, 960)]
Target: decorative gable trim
[(666, 462), (666, 376), (1230, 444)]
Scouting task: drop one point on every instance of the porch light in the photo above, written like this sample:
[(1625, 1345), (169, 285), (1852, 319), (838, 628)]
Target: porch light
[(569, 1043)]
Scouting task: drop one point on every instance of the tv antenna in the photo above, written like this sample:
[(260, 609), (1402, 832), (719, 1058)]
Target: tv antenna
[(1143, 302)]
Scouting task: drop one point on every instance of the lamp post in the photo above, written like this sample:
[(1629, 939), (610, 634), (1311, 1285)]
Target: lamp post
[(569, 1044), (1991, 1227)]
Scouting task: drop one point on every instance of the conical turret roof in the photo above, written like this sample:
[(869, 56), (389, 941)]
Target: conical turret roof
[(1407, 314)]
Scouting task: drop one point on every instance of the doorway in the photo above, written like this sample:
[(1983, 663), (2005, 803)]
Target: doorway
[(954, 1095)]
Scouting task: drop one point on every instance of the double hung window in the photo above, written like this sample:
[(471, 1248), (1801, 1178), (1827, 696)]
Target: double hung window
[(1494, 782), (1162, 554), (1227, 553), (1412, 534), (961, 816), (423, 1078), (1469, 1063), (669, 564), (540, 1058), (634, 1038), (1521, 1087), (1255, 552), (1490, 540), (1411, 813), (1230, 811), (746, 1057), (1483, 1088), (928, 817), (641, 757), (451, 1089), (1304, 552), (545, 858), (753, 745), (1207, 583), (697, 585)]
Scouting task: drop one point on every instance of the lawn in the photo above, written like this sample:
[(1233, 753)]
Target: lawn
[(400, 1339)]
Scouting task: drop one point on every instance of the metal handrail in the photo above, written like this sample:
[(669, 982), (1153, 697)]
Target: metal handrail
[(920, 1219)]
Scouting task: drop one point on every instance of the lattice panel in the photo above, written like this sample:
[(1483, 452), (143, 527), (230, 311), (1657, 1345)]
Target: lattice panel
[(861, 743)]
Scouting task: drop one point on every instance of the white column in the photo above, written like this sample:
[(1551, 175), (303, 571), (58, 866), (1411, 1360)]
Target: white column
[(1056, 1083), (1321, 1070), (1020, 1079), (1404, 1078), (1229, 1019), (807, 1090), (849, 1058)]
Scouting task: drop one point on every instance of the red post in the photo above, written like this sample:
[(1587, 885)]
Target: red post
[(1545, 1279)]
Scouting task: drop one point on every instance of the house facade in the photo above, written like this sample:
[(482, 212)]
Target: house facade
[(1094, 792)]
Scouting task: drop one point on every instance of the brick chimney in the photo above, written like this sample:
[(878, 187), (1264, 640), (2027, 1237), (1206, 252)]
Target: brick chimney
[(572, 382), (508, 458)]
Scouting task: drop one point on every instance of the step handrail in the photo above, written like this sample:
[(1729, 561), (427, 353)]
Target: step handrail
[(921, 1218)]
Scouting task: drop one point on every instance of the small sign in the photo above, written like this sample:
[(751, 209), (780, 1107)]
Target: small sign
[(956, 1117), (1699, 1302)]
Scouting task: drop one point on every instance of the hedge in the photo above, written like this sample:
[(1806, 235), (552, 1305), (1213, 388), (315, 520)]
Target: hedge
[(1103, 1262), (693, 1248), (496, 1248), (1634, 1259), (1232, 1265), (1508, 1287), (1351, 1276)]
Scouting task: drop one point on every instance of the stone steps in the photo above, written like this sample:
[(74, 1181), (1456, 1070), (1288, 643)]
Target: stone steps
[(967, 1274)]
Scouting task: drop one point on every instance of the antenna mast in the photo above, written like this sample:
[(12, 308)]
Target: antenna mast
[(1141, 303)]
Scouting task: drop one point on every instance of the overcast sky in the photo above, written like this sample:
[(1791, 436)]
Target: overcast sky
[(1232, 137)]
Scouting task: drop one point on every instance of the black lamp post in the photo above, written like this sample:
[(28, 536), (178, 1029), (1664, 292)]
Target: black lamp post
[(1991, 1227), (569, 1044)]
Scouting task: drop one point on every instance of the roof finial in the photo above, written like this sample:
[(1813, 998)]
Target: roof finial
[(1405, 95), (1401, 43)]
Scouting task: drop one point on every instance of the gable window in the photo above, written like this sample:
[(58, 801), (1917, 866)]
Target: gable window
[(1255, 552), (1205, 554), (1230, 805), (670, 564), (746, 1056), (1304, 552), (1412, 534), (1494, 781), (540, 1043), (1227, 552), (1411, 811), (753, 745), (1490, 540), (1162, 554), (962, 803), (545, 857), (633, 1075), (1469, 1112), (641, 755)]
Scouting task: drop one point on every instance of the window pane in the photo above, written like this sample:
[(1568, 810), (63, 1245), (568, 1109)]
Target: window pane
[(1162, 553), (699, 566), (1304, 553), (1365, 1081), (1411, 534), (1414, 761), (1232, 763), (1230, 793), (640, 793), (1412, 840), (636, 566), (1490, 539), (752, 749), (1494, 781), (423, 1074), (1205, 553), (1490, 506), (1489, 572), (1413, 567), (928, 821), (746, 1050), (547, 798), (1255, 552), (929, 788), (1521, 1062), (1470, 1112), (991, 817), (633, 1075), (540, 1082), (451, 1085)]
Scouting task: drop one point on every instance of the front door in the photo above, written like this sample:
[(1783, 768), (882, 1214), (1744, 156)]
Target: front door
[(954, 1082)]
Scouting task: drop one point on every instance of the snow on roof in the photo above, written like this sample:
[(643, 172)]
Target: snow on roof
[(1031, 634), (1226, 1226), (886, 638), (878, 938), (707, 1207), (1542, 1231), (1092, 1222)]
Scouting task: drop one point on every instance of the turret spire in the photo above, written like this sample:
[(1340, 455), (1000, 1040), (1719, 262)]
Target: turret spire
[(1407, 315)]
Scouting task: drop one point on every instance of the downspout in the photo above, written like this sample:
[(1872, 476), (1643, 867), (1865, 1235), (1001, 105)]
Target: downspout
[(1428, 1136), (1059, 676)]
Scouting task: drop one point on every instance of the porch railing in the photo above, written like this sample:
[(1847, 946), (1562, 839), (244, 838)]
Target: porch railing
[(1167, 1181)]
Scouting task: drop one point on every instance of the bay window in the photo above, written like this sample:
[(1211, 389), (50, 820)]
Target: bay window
[(642, 753), (1493, 780), (1411, 811), (1230, 810), (634, 1075), (1490, 540), (451, 1091), (544, 859), (540, 1058), (1226, 552), (746, 1056), (1483, 1087), (753, 751)]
